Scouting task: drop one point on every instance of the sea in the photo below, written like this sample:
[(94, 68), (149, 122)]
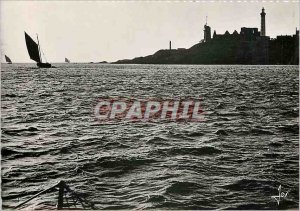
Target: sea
[(243, 155)]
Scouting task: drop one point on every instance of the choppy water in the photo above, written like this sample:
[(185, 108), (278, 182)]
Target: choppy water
[(236, 159)]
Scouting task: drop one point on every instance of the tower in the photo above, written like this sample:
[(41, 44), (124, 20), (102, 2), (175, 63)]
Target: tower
[(263, 23), (170, 45), (207, 33)]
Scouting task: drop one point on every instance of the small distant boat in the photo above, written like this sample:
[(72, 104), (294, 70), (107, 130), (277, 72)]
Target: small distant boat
[(67, 60), (34, 51), (7, 59)]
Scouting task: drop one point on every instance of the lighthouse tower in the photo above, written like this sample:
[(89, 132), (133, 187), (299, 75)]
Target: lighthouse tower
[(263, 23), (207, 33)]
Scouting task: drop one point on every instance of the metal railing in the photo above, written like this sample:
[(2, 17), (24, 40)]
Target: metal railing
[(63, 190)]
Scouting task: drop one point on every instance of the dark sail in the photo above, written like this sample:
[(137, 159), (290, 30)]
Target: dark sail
[(33, 48), (67, 60), (7, 59)]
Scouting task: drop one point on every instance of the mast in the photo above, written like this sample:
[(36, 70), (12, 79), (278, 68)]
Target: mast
[(39, 47)]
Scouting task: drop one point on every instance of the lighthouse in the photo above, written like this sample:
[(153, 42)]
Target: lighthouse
[(207, 33), (263, 23)]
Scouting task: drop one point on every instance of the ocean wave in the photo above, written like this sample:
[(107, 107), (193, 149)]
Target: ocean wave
[(110, 162), (13, 153), (249, 185), (290, 113), (115, 144), (222, 132), (156, 199), (258, 131), (275, 143), (197, 151), (30, 131), (158, 140), (195, 134), (292, 128), (11, 96), (183, 188)]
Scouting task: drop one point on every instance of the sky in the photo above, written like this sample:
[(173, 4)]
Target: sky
[(94, 31)]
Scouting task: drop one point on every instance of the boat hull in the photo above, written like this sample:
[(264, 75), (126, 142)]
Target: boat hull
[(44, 65)]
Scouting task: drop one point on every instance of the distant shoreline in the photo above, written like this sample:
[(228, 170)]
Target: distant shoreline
[(230, 50), (114, 63)]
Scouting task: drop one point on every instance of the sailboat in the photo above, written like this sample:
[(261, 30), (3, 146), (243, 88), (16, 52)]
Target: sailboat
[(7, 59), (34, 51), (67, 60)]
